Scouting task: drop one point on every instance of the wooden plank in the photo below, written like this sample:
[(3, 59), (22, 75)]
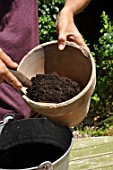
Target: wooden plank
[(92, 153)]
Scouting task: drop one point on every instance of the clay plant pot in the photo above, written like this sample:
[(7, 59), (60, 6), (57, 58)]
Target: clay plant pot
[(73, 62)]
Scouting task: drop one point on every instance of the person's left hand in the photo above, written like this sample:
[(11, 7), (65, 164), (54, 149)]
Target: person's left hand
[(67, 30), (5, 74)]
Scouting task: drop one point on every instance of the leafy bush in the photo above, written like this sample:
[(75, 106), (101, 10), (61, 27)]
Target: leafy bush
[(48, 11), (104, 61), (101, 110)]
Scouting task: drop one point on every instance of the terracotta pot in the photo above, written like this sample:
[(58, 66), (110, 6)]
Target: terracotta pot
[(73, 62)]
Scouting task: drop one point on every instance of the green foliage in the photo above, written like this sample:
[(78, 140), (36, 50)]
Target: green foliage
[(104, 58), (48, 11), (102, 100), (92, 131), (100, 117)]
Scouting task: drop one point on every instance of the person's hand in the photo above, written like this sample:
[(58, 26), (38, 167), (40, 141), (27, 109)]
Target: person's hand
[(67, 30), (5, 74)]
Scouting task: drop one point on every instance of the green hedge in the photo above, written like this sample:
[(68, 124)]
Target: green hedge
[(100, 116), (48, 11), (103, 97)]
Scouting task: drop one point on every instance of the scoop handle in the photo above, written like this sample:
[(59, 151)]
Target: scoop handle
[(21, 77)]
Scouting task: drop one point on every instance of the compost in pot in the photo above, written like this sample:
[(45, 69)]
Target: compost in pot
[(52, 88), (29, 155)]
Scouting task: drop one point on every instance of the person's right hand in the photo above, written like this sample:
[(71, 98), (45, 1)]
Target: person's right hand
[(5, 74), (67, 30)]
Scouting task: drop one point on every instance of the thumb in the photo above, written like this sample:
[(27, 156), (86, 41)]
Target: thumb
[(61, 41)]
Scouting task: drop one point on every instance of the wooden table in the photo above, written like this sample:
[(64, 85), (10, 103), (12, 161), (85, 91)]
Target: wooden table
[(92, 153)]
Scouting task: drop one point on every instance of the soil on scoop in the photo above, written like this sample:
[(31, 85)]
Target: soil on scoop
[(52, 88)]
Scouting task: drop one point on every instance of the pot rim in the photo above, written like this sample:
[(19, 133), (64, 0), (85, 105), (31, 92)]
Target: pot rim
[(92, 80)]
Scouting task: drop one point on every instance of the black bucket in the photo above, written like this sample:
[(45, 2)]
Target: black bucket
[(29, 143)]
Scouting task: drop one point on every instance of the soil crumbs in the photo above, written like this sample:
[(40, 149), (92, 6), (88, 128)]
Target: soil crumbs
[(52, 88)]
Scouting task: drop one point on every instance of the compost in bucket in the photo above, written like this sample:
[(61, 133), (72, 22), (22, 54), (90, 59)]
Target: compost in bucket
[(29, 155), (52, 88)]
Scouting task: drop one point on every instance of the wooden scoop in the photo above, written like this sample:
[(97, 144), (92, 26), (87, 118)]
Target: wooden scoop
[(21, 77)]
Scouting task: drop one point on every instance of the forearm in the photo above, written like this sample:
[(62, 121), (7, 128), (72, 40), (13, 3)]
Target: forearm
[(76, 6)]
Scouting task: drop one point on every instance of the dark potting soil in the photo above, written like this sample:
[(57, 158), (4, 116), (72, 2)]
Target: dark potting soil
[(52, 88), (29, 155)]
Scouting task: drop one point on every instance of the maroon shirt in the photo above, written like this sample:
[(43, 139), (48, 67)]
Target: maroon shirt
[(18, 37)]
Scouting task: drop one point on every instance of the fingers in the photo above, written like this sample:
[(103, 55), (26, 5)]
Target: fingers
[(61, 33), (78, 40), (5, 74), (11, 79), (61, 41), (72, 38), (7, 60), (67, 31)]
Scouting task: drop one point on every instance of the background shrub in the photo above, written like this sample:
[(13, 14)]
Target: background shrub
[(48, 11), (100, 115), (104, 61)]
